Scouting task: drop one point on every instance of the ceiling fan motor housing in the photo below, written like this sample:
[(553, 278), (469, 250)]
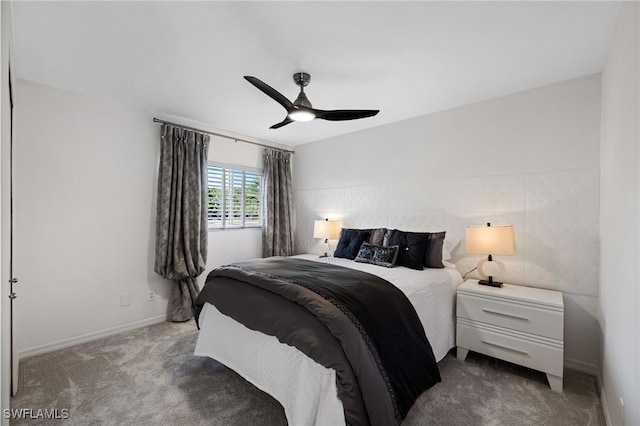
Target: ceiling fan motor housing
[(301, 79), (302, 101)]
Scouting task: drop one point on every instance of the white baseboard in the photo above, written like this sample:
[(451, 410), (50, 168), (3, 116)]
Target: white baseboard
[(64, 343), (585, 367), (603, 401)]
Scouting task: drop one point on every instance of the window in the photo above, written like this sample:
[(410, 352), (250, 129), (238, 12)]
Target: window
[(233, 197)]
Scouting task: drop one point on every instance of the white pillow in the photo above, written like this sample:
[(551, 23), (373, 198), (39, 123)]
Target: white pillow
[(449, 264), (449, 245)]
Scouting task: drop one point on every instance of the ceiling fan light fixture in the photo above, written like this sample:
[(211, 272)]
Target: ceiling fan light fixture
[(301, 115)]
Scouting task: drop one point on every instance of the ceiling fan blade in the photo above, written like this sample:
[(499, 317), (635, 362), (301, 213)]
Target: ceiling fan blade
[(271, 92), (345, 114), (282, 123)]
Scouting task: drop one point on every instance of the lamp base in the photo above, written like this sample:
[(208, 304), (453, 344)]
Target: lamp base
[(490, 283)]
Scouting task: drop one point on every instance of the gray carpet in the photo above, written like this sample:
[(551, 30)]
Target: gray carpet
[(149, 376)]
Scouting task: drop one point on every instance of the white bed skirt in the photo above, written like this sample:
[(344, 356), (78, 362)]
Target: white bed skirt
[(306, 389)]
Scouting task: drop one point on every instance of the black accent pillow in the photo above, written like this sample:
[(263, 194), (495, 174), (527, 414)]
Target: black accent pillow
[(350, 242), (433, 258), (376, 235), (413, 248), (377, 255)]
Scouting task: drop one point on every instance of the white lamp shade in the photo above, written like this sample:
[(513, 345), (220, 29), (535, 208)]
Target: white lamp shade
[(327, 229), (499, 240)]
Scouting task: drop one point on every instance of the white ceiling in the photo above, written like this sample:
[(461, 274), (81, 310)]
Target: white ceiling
[(187, 59)]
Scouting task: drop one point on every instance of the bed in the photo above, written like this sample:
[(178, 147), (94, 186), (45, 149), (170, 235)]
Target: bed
[(306, 389)]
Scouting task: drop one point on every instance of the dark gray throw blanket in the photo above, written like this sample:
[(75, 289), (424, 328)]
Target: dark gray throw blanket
[(360, 325)]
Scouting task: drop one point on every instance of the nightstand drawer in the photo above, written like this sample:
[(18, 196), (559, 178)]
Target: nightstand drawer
[(512, 348), (521, 317)]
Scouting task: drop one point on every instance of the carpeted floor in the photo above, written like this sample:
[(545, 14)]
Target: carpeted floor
[(150, 376)]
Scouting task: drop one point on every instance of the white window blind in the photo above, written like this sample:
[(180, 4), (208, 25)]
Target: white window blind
[(234, 197)]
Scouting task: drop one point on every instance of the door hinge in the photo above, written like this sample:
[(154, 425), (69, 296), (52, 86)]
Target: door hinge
[(12, 296), (13, 280)]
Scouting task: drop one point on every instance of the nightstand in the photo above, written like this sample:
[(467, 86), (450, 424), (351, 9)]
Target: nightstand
[(522, 325)]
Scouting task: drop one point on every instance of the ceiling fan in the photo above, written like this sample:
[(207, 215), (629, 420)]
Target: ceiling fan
[(301, 109)]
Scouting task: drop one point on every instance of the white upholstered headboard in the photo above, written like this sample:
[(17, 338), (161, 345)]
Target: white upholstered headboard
[(555, 215)]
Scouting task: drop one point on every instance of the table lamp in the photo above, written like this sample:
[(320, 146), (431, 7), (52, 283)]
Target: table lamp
[(490, 240), (327, 229)]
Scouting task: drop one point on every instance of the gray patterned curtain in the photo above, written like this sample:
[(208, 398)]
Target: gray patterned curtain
[(181, 223), (277, 217)]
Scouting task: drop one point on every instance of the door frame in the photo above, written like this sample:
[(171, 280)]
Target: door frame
[(7, 81)]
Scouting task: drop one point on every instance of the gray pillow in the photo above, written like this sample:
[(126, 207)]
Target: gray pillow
[(433, 258), (377, 236)]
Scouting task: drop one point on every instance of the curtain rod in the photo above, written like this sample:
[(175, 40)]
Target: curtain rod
[(156, 120)]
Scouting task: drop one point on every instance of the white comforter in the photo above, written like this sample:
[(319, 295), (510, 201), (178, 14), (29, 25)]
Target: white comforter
[(306, 389)]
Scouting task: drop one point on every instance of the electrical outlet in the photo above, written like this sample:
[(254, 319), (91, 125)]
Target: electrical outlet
[(622, 410), (152, 296)]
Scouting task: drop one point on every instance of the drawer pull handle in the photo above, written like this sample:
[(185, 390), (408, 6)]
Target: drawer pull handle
[(505, 347), (504, 314)]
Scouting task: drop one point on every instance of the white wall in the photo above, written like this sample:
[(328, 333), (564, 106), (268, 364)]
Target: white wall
[(530, 159), (85, 202), (619, 221), (546, 129)]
